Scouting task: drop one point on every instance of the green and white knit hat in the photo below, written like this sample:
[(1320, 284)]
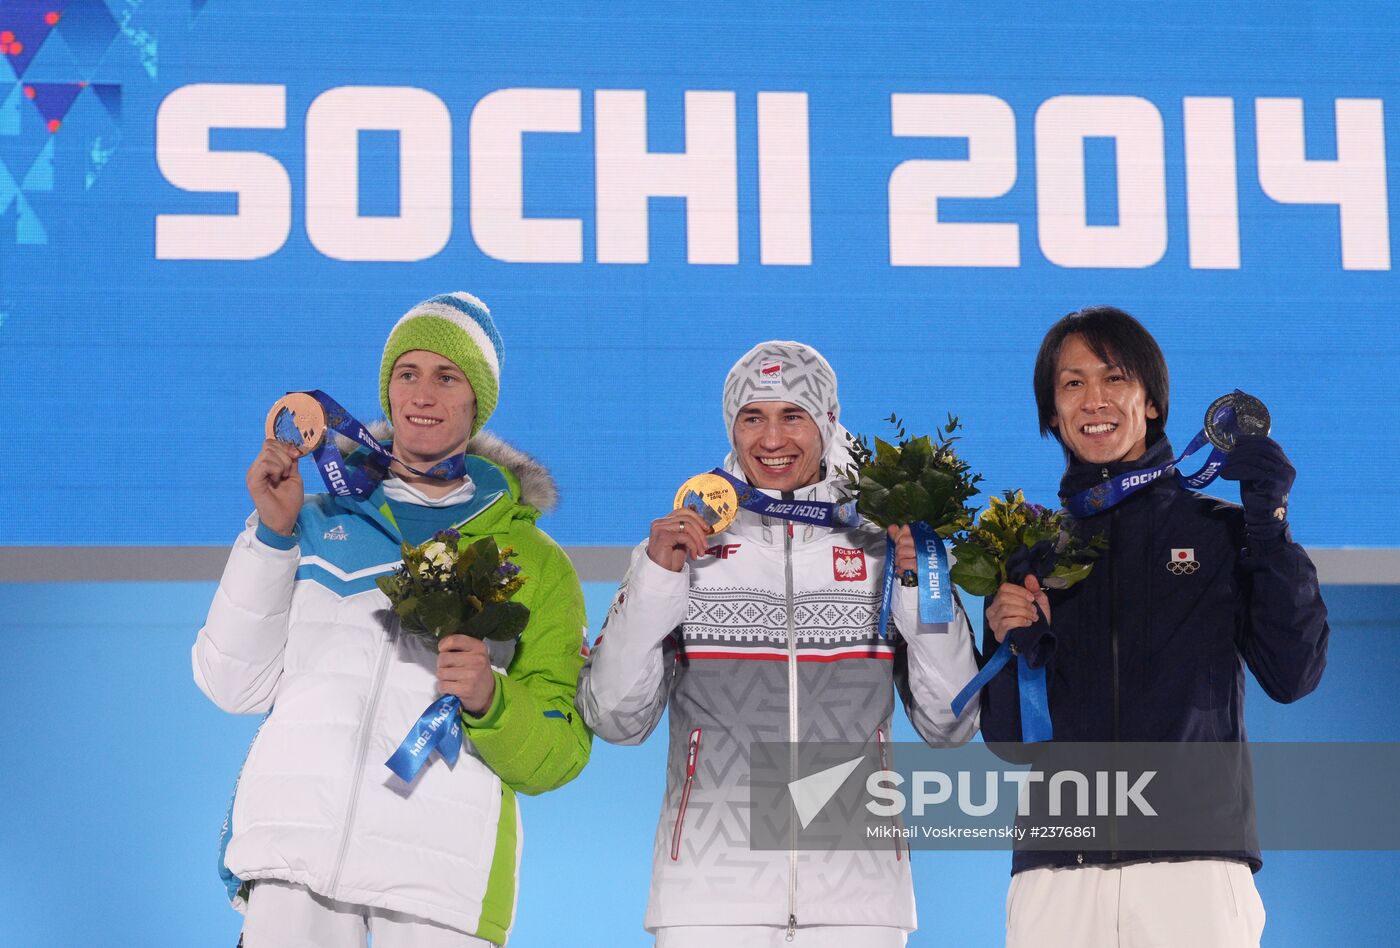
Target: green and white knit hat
[(459, 327)]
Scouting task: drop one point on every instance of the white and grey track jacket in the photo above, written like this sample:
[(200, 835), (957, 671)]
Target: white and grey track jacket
[(771, 636)]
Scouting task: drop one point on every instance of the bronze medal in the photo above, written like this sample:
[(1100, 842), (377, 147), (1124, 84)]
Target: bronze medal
[(299, 420), (712, 497)]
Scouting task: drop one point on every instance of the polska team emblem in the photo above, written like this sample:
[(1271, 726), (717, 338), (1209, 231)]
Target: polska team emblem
[(770, 372), (1183, 562), (848, 566)]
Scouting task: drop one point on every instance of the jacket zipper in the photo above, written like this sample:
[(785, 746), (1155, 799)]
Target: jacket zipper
[(894, 821), (792, 723), (1113, 638), (361, 753), (692, 756)]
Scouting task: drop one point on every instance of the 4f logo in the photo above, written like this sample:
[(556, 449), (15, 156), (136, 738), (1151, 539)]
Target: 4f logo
[(847, 566), (723, 551)]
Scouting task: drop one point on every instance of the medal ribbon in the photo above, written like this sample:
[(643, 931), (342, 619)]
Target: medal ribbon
[(359, 481), (1115, 490), (1030, 684), (440, 728), (816, 512), (935, 584)]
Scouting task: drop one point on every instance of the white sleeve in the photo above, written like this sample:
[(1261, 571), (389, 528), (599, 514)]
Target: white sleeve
[(625, 683), (941, 660), (237, 656)]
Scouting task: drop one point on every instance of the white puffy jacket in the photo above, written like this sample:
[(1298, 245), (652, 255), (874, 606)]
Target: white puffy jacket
[(771, 636), (305, 634)]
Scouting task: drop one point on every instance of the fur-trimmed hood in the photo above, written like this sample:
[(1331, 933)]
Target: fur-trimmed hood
[(537, 487)]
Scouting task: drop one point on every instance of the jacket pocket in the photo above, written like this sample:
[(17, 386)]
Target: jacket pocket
[(692, 757), (894, 820)]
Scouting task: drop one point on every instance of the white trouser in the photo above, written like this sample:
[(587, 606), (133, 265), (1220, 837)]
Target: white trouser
[(1197, 903), (772, 936), (282, 915)]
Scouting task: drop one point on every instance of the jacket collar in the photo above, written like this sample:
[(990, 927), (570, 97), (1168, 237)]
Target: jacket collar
[(491, 487), (770, 529), (1081, 475)]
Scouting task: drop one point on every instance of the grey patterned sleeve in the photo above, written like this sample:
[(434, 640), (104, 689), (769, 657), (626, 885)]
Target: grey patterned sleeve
[(932, 664), (625, 683)]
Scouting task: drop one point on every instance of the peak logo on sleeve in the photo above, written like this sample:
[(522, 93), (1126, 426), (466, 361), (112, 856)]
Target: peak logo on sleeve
[(847, 566)]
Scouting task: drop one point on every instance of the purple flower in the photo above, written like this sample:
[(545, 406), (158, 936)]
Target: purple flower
[(507, 570), (447, 536)]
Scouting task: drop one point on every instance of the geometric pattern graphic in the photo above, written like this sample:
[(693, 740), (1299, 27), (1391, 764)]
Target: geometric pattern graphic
[(820, 617), (60, 115)]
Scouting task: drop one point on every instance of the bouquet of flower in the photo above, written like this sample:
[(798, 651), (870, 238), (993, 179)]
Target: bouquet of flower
[(919, 482), (915, 480), (1013, 539), (444, 588)]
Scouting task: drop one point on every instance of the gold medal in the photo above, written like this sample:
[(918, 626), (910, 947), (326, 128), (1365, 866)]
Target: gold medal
[(712, 497), (299, 420)]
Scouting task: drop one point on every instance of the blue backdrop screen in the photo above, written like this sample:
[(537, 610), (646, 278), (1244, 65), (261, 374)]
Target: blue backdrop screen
[(203, 205)]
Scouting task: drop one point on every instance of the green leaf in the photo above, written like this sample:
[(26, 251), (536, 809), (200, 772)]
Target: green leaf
[(407, 611), (916, 455), (499, 621), (949, 529), (940, 487), (886, 454), (873, 498), (886, 475), (1071, 573), (976, 570), (908, 502), (440, 612)]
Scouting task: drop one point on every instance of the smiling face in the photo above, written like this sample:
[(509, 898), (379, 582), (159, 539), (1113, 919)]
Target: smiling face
[(1100, 413), (432, 406), (778, 445)]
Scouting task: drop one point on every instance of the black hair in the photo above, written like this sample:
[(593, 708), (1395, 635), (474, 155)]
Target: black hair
[(1119, 340)]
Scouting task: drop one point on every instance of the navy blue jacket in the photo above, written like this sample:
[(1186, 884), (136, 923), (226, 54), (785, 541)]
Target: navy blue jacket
[(1145, 652)]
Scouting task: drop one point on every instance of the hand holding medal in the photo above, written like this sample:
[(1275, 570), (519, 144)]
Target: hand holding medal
[(302, 423), (705, 504), (274, 483), (298, 421), (677, 537), (708, 503)]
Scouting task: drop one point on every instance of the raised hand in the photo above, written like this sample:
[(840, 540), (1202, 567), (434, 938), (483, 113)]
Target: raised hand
[(677, 537), (275, 485)]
